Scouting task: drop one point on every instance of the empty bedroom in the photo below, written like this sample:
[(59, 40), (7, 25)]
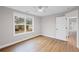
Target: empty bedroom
[(39, 29)]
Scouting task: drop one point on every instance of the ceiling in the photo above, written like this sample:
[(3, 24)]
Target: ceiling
[(51, 10)]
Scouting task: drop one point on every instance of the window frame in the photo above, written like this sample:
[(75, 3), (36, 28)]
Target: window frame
[(25, 16)]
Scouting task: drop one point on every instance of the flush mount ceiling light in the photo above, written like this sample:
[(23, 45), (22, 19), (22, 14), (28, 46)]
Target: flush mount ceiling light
[(41, 8)]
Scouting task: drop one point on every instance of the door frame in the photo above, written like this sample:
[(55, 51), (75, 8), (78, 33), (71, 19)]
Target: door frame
[(68, 18)]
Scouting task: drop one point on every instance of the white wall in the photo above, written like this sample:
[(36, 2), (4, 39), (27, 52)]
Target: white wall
[(6, 27), (48, 26)]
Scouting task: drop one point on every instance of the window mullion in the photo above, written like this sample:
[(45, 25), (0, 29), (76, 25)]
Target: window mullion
[(25, 24)]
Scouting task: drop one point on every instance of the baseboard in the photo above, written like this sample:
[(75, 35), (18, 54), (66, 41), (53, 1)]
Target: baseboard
[(18, 41), (48, 36), (52, 37)]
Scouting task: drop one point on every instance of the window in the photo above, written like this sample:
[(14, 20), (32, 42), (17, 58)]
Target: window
[(28, 24), (22, 23)]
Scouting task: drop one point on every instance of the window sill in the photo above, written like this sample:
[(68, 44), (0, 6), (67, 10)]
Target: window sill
[(23, 33)]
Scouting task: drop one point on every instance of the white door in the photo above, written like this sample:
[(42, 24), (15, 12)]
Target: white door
[(61, 28)]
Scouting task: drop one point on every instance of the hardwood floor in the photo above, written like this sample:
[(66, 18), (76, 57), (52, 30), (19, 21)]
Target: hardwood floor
[(72, 38), (41, 44)]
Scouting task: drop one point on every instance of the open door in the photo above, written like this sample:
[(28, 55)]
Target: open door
[(72, 40), (61, 28)]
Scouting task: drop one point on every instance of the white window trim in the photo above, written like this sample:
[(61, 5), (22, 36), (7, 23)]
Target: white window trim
[(17, 14)]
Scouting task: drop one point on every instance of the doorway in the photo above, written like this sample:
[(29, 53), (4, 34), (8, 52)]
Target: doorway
[(72, 31)]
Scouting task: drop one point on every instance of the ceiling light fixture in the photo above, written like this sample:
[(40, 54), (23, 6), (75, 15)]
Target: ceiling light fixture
[(41, 8)]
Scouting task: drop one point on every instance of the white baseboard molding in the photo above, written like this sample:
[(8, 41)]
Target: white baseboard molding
[(48, 36), (52, 37), (12, 43)]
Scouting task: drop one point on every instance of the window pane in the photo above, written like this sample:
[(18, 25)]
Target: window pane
[(19, 20), (19, 29), (19, 25), (28, 24)]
